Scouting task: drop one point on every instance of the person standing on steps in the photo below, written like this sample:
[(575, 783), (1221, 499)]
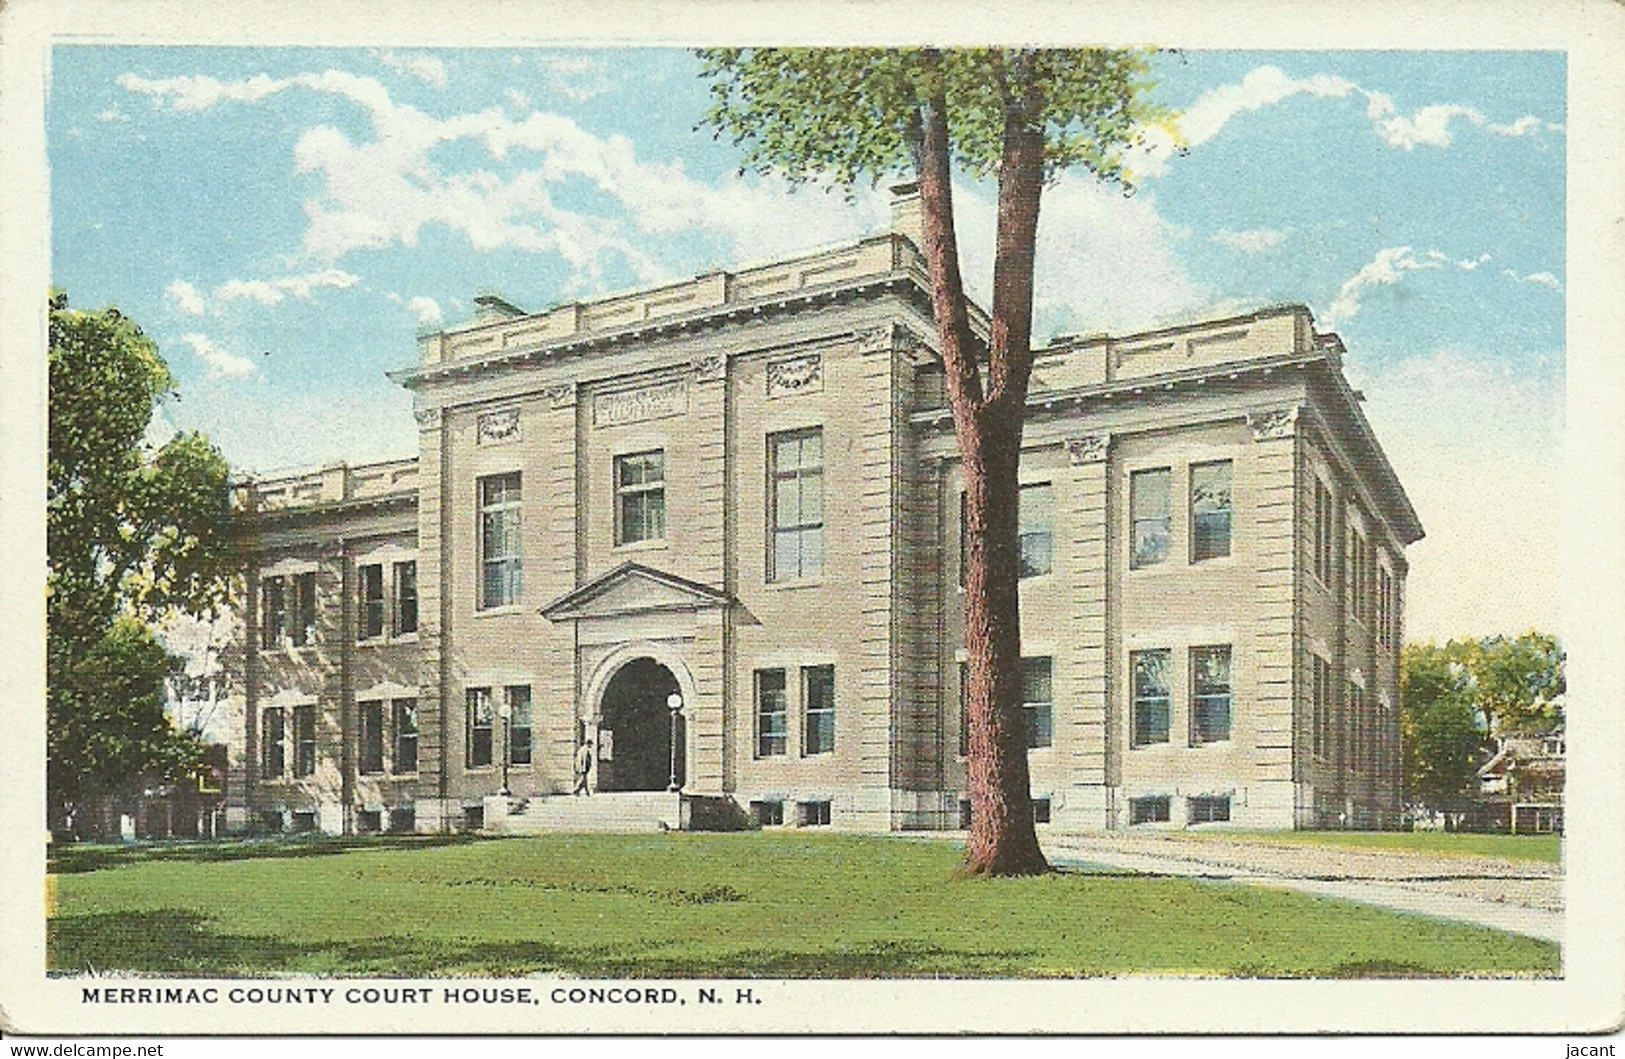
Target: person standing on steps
[(583, 766)]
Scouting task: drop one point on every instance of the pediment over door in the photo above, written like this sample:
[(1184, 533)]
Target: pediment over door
[(632, 588)]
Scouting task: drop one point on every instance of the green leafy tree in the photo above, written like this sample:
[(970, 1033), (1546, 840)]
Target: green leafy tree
[(132, 534), (1442, 733), (1456, 696), (1022, 116)]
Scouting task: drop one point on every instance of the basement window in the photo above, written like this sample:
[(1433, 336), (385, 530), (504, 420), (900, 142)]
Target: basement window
[(1152, 810)]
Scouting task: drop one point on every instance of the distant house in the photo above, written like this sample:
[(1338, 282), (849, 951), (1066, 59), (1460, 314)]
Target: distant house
[(1521, 785)]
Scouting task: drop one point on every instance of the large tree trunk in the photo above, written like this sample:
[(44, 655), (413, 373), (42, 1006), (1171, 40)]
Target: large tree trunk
[(988, 422)]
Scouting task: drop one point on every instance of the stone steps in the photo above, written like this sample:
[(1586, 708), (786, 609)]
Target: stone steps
[(622, 812)]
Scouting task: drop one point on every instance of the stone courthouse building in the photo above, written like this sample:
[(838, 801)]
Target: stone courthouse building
[(712, 528)]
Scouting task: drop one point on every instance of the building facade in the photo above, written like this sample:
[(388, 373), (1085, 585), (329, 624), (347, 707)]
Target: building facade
[(712, 529)]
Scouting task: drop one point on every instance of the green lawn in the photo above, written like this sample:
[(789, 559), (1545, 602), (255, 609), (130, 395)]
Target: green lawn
[(733, 905), (1547, 848)]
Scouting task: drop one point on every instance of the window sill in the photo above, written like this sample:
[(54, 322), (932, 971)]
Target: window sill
[(659, 544), (497, 612), (386, 641), (787, 586)]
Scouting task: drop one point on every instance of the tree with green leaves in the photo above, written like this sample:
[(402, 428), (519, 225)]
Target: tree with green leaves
[(1455, 697), (1022, 116), (133, 533)]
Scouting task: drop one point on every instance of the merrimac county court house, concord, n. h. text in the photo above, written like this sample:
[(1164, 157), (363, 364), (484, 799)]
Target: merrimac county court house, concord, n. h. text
[(712, 530)]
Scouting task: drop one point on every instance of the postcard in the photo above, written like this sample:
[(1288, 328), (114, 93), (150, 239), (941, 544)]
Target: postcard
[(782, 519)]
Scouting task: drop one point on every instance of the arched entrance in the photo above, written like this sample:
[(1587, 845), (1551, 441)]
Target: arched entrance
[(645, 743)]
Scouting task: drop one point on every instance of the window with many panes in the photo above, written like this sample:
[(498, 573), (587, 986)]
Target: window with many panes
[(1207, 808), (1149, 513), (1324, 532), (406, 735), (304, 740), (481, 722), (1357, 576), (500, 568), (1385, 607), (304, 609), (1320, 737), (1151, 810), (964, 709), (519, 732), (640, 497), (370, 620), (406, 597), (371, 737), (1210, 510), (818, 701), (1359, 728), (273, 613), (1037, 701), (1150, 672), (1037, 535), (1210, 694), (796, 497), (273, 743), (772, 713)]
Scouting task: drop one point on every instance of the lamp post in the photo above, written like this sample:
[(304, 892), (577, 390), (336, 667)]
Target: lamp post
[(674, 703), (506, 710)]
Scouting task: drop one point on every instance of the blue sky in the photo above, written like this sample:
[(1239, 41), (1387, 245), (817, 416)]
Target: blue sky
[(284, 220)]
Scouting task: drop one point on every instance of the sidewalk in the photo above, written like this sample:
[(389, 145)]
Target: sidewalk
[(1521, 897)]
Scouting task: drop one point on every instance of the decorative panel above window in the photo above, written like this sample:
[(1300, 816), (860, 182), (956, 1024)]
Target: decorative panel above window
[(493, 428), (795, 375)]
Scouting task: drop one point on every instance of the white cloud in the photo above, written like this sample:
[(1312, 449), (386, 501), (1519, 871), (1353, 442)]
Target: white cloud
[(1479, 451), (1469, 264), (1545, 279), (201, 92), (1385, 269), (426, 68), (576, 78), (1267, 86), (221, 363), (271, 292), (517, 98), (186, 298), (427, 310), (1252, 241)]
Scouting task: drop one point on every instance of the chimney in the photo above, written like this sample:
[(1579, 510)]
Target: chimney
[(906, 216)]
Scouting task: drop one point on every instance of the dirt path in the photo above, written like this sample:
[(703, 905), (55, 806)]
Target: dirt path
[(1521, 897)]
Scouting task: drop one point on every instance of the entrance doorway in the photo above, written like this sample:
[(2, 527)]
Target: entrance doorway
[(645, 747)]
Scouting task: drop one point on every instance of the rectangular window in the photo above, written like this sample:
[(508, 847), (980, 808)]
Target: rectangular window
[(1320, 738), (372, 737), (1323, 533), (519, 741), (1357, 578), (767, 814), (499, 541), (812, 814), (403, 819), (1357, 727), (304, 609), (796, 488), (371, 619), (1148, 510), (818, 697), (772, 712), (1041, 810), (1037, 536), (369, 820), (1037, 701), (1208, 808), (1210, 694), (640, 497), (1210, 510), (406, 597), (1148, 810), (1151, 671), (273, 744), (406, 735), (304, 740), (273, 613), (481, 714), (1385, 607), (964, 709)]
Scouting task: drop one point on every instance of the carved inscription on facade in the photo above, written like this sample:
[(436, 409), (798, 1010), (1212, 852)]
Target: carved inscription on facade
[(493, 428), (1279, 423), (633, 406), (795, 375), (1090, 448)]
